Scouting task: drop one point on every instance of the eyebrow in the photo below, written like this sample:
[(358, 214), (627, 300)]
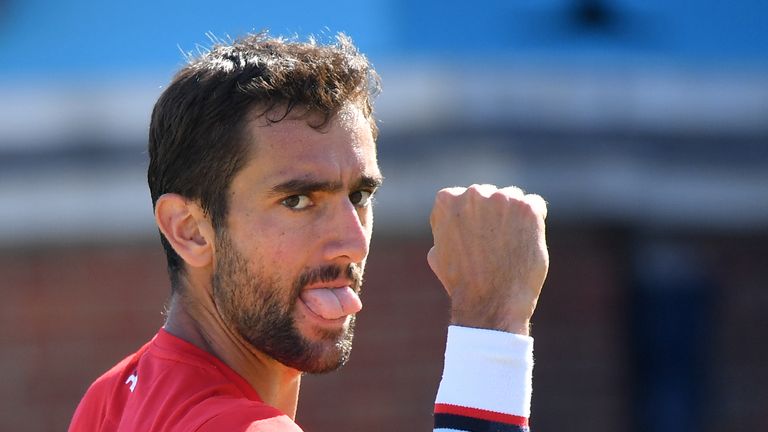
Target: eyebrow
[(309, 185)]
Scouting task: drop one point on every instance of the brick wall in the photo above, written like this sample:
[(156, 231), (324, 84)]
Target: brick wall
[(68, 313)]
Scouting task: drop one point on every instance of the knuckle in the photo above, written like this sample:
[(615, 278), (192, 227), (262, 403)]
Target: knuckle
[(441, 197), (482, 190), (447, 193), (537, 204), (474, 189), (499, 196), (513, 191)]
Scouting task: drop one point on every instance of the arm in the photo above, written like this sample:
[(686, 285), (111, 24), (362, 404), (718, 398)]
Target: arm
[(490, 255)]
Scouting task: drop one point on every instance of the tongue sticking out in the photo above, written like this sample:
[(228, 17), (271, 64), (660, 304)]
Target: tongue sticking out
[(332, 303)]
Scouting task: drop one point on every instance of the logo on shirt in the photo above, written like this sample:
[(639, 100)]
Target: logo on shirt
[(132, 380)]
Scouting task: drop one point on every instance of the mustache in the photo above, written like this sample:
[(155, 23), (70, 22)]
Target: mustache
[(330, 273)]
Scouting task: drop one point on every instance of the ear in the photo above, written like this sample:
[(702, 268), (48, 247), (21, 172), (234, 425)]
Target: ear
[(187, 228)]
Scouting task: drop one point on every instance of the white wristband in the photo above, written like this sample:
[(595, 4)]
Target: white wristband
[(487, 369)]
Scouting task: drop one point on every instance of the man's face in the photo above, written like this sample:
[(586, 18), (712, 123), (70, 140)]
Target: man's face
[(289, 263)]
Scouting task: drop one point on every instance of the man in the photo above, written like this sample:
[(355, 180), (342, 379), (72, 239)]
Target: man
[(262, 168)]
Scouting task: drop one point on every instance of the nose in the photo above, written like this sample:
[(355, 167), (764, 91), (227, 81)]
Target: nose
[(348, 234)]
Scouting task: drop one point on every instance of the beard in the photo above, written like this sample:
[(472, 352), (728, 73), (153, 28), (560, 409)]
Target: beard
[(259, 305)]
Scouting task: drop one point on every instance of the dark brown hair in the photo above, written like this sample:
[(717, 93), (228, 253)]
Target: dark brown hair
[(196, 142)]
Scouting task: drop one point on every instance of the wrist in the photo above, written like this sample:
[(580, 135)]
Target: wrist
[(520, 327), (500, 375)]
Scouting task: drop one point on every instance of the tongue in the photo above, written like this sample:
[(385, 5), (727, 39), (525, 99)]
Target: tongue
[(332, 303)]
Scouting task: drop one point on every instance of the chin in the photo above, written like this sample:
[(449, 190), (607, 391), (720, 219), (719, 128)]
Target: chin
[(323, 349)]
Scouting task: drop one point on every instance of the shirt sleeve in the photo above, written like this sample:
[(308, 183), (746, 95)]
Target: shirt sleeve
[(487, 382)]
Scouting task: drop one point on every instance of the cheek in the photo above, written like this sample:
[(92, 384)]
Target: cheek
[(280, 244), (367, 220), (281, 249)]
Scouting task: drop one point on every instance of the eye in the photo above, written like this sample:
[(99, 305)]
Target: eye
[(361, 198), (297, 202)]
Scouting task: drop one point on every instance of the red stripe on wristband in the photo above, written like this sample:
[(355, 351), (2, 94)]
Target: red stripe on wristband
[(494, 416)]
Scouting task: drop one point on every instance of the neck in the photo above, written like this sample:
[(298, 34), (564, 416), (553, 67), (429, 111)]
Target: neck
[(198, 322)]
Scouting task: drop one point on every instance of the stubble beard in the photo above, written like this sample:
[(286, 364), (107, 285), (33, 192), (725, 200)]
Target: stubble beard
[(261, 311)]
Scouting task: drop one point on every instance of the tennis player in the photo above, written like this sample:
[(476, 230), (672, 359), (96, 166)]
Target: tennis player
[(262, 169)]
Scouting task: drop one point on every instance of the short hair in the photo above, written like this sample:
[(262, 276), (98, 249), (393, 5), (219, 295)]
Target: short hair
[(196, 135)]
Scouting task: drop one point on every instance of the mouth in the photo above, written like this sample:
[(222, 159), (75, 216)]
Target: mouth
[(320, 320), (330, 284), (332, 301)]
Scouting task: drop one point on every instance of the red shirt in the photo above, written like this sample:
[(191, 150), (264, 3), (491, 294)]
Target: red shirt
[(172, 385)]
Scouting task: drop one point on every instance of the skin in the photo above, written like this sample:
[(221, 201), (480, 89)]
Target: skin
[(490, 249), (495, 280), (300, 203)]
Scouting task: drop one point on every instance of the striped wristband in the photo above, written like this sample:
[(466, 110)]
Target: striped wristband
[(486, 383)]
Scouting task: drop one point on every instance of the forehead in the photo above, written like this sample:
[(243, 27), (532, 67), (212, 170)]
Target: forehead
[(292, 146)]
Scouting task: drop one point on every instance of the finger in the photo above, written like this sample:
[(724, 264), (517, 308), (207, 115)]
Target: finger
[(513, 192), (484, 190), (453, 191), (537, 203), (442, 198)]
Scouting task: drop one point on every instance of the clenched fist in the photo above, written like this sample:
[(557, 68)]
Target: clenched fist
[(490, 254)]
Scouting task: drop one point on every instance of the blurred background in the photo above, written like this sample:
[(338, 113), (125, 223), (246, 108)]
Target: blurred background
[(643, 123)]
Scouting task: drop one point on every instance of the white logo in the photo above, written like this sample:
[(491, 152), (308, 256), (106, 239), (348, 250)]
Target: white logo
[(133, 379)]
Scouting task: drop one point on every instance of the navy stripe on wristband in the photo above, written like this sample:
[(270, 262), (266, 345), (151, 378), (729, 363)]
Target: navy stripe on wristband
[(470, 424)]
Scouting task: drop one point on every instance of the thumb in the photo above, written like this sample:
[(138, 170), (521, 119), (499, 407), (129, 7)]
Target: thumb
[(431, 259)]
